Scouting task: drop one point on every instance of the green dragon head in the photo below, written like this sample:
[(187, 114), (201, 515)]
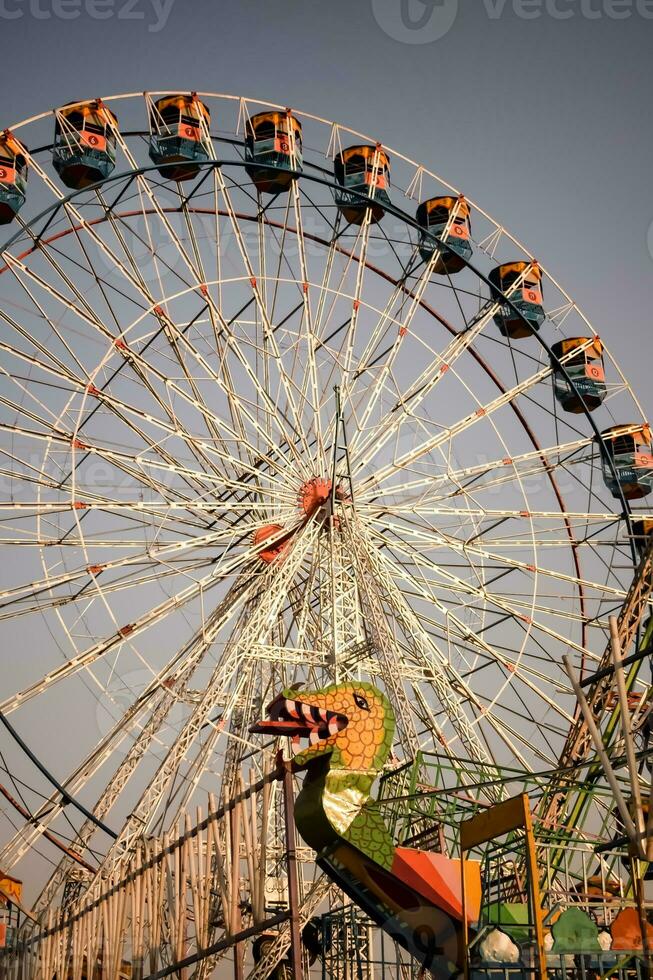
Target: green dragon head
[(353, 722)]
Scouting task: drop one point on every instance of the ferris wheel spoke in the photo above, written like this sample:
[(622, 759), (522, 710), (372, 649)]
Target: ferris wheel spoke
[(517, 666), (372, 355), (154, 615), (324, 287), (447, 433), (403, 409), (356, 302), (88, 593), (312, 381), (324, 328), (286, 382), (152, 554), (510, 468), (441, 363), (519, 612), (437, 538), (79, 221), (439, 664), (273, 590), (170, 685)]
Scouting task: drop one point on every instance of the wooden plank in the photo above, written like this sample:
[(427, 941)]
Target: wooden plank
[(494, 822)]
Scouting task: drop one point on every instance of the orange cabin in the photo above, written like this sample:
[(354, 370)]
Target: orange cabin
[(273, 150), (528, 315), (579, 383), (630, 469), (84, 150), (363, 180), (13, 177), (179, 136), (446, 219)]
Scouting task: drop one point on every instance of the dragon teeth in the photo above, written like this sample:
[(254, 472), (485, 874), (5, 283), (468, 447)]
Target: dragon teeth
[(296, 744), (333, 726), (314, 737), (291, 708)]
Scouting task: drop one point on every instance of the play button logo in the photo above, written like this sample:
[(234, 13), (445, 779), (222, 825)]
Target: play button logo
[(415, 21)]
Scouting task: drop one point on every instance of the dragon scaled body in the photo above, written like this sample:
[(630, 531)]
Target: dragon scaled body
[(413, 895)]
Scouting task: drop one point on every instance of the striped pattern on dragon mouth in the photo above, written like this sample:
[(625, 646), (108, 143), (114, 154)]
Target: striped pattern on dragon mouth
[(298, 720)]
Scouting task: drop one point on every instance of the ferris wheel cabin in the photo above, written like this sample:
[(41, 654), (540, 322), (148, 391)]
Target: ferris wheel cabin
[(84, 150), (585, 389), (447, 219), (362, 172), (273, 139), (526, 298), (13, 177), (629, 447), (179, 126), (642, 531)]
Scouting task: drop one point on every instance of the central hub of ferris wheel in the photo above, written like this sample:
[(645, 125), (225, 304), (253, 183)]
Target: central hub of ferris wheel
[(318, 493), (314, 494)]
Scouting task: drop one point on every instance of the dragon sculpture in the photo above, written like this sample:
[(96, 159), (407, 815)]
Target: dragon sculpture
[(415, 896)]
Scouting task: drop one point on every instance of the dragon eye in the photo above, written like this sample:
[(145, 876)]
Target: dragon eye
[(361, 702)]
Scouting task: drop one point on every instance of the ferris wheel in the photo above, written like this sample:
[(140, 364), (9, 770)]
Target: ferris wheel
[(280, 406)]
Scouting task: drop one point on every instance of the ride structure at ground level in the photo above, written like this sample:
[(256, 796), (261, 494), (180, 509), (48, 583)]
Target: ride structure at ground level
[(284, 411)]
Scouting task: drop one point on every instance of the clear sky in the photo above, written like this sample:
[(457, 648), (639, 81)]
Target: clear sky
[(538, 109)]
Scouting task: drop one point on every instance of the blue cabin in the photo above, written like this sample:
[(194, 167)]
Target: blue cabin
[(527, 298), (584, 368), (13, 177), (448, 219), (84, 151), (629, 447), (273, 139), (179, 136), (362, 170)]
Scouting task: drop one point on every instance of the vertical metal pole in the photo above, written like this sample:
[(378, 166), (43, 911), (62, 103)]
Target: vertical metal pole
[(239, 972), (601, 752), (463, 893), (638, 892), (531, 863), (627, 732), (293, 886)]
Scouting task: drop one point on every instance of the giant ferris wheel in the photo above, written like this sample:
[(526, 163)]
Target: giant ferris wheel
[(280, 406)]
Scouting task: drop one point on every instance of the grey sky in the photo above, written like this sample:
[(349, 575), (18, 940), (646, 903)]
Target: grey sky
[(539, 110)]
